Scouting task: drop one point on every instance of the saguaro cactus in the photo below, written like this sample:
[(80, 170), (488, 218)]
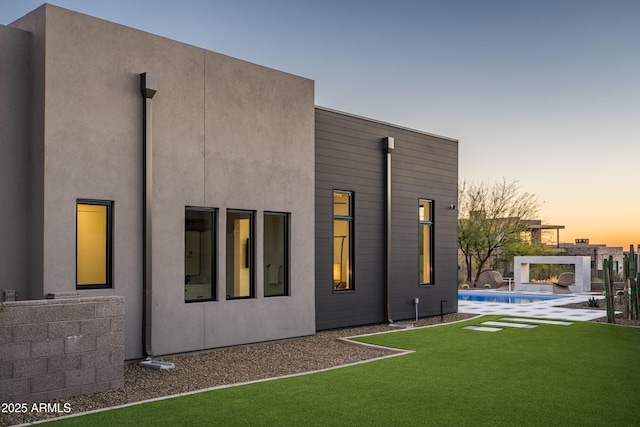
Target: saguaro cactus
[(635, 297), (631, 278), (607, 268)]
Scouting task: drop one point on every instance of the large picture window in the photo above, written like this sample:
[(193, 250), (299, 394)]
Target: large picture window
[(425, 241), (199, 254), (342, 240), (276, 254), (93, 244), (240, 270)]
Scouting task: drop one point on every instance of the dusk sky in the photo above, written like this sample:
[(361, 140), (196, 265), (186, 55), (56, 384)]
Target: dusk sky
[(543, 92)]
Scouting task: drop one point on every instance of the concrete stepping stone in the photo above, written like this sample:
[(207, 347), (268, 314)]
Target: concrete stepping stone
[(543, 321), (510, 325), (482, 328)]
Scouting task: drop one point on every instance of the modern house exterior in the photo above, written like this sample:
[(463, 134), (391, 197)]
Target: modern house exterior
[(598, 253), (209, 192)]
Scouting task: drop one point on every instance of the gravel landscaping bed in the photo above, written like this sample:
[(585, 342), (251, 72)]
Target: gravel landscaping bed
[(201, 370), (619, 319)]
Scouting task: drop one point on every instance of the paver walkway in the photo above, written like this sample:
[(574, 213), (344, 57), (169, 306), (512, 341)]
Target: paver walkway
[(541, 309)]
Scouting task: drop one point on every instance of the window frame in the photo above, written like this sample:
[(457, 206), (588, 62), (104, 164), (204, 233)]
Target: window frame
[(250, 254), (349, 218), (214, 253), (286, 245), (430, 223), (109, 204)]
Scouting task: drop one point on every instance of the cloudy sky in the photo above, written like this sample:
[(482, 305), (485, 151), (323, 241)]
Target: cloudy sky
[(543, 92)]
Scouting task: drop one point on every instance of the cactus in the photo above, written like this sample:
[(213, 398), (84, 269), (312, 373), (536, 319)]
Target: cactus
[(607, 268), (635, 297), (631, 278), (634, 277), (592, 302)]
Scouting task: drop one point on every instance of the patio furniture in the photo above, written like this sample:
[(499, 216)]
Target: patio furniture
[(561, 286), (492, 278)]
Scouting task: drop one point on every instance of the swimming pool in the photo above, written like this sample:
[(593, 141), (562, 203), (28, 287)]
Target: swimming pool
[(505, 298)]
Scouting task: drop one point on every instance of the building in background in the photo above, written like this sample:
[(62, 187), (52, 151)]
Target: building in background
[(535, 230), (598, 253)]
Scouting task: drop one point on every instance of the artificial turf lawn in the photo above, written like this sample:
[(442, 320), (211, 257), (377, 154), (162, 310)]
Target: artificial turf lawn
[(583, 374)]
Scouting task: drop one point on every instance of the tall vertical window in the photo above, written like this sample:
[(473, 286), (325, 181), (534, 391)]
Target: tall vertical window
[(240, 238), (93, 244), (425, 241), (342, 240), (199, 254), (276, 254)]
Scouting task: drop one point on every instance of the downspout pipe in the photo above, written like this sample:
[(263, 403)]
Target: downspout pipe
[(388, 148), (148, 87)]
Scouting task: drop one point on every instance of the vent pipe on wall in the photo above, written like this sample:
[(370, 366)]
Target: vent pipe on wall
[(148, 87), (389, 146)]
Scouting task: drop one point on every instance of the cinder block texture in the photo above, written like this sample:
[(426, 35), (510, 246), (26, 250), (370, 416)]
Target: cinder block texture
[(62, 348)]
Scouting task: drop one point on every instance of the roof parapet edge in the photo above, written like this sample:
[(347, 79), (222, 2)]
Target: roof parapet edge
[(331, 110)]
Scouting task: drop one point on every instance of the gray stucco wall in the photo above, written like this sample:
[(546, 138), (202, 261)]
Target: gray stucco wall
[(227, 134), (34, 110), (350, 156), (15, 90)]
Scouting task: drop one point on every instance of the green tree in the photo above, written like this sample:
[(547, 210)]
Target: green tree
[(492, 216), (524, 248)]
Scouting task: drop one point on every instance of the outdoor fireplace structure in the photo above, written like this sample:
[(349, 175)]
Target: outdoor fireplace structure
[(582, 266)]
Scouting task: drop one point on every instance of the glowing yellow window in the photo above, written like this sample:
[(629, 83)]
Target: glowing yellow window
[(425, 239), (93, 245), (342, 240), (240, 251)]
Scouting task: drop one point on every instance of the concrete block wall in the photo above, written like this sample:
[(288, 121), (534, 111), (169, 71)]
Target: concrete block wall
[(58, 348)]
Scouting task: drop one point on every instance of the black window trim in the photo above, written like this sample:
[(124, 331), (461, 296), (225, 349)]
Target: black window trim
[(350, 219), (431, 222), (251, 251), (214, 253), (287, 254), (109, 253)]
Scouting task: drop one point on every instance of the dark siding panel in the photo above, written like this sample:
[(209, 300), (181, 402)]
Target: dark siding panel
[(350, 156), (424, 174)]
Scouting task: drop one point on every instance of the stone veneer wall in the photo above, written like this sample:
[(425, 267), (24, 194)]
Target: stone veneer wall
[(600, 253), (58, 348)]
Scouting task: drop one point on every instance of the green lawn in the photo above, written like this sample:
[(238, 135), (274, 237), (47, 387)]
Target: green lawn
[(578, 375)]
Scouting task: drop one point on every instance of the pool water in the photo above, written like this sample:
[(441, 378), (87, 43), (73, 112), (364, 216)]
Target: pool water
[(506, 298)]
